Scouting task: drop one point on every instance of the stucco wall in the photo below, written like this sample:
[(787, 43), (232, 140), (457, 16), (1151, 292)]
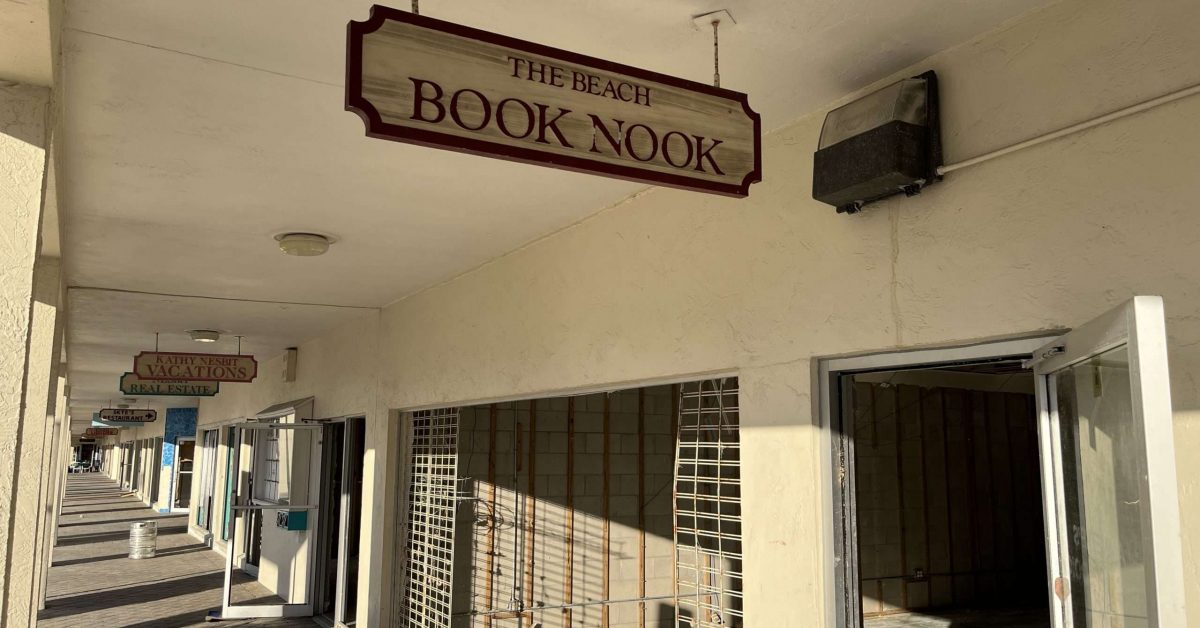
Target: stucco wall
[(674, 283)]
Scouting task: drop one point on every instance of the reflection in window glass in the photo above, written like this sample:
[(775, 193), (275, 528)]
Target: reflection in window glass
[(1103, 472)]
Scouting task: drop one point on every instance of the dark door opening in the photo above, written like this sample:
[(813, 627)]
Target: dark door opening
[(947, 497), (185, 455), (331, 478), (138, 455), (155, 467), (342, 479)]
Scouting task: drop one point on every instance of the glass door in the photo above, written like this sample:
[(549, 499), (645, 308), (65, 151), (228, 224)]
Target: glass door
[(1108, 460), (275, 510), (208, 478)]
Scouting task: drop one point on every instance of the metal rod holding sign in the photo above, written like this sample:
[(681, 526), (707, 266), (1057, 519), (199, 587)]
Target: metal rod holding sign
[(195, 367), (424, 81)]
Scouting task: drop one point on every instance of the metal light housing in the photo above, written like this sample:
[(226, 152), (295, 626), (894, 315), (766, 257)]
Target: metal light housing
[(882, 144)]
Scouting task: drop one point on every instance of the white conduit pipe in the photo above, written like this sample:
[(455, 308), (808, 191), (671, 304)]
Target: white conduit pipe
[(1082, 126)]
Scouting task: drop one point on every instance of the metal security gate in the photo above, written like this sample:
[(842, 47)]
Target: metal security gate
[(432, 501), (708, 506), (614, 508)]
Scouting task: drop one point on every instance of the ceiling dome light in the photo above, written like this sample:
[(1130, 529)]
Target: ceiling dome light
[(304, 244), (204, 335)]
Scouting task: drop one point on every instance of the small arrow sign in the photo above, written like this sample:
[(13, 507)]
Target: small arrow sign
[(128, 415)]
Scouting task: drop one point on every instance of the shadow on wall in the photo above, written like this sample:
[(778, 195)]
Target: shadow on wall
[(554, 495)]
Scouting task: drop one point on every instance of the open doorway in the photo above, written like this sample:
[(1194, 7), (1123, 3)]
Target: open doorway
[(344, 448), (933, 516), (947, 494), (127, 454), (185, 456), (138, 457), (154, 469)]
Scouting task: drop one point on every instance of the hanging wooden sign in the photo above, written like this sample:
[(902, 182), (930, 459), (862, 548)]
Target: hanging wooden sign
[(131, 384), (98, 432), (423, 81), (128, 415), (195, 367)]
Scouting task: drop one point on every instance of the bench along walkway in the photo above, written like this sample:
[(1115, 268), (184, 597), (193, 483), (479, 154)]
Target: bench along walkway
[(93, 582)]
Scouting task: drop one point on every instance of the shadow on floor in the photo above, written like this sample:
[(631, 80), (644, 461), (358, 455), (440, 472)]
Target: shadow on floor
[(101, 537), (100, 522), (186, 549), (94, 510), (964, 618), (132, 594)]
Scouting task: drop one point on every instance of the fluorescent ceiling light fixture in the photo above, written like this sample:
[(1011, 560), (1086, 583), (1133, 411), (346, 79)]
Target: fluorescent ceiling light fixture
[(304, 244)]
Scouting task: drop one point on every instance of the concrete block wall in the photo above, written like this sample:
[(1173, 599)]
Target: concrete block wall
[(949, 505), (542, 522)]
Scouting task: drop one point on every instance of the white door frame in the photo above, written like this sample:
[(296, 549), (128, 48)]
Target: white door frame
[(842, 575)]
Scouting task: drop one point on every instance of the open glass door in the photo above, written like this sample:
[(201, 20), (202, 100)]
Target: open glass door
[(274, 492), (1108, 460), (208, 478)]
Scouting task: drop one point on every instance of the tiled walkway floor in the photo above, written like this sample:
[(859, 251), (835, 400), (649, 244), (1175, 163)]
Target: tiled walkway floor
[(93, 582), (964, 619)]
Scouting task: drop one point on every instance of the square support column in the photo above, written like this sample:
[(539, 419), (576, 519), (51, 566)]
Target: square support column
[(24, 138), (38, 435)]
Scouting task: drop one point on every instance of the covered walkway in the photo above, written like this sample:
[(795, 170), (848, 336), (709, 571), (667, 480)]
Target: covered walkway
[(92, 581)]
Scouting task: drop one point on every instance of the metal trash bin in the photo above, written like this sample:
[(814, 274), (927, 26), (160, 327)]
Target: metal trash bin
[(143, 539)]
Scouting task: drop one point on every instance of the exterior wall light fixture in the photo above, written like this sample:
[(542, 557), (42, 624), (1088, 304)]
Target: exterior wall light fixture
[(882, 144)]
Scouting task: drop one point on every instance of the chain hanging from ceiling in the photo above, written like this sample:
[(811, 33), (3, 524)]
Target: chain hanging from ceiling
[(716, 24)]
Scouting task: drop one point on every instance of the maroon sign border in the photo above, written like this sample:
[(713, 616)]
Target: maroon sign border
[(379, 129), (197, 379)]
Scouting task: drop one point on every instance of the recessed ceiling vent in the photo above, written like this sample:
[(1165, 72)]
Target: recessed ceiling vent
[(883, 144)]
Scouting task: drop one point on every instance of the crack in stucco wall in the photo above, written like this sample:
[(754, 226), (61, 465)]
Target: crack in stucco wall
[(894, 280)]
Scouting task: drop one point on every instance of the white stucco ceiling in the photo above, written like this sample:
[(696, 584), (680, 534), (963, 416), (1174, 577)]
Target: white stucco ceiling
[(119, 324), (194, 131), (25, 55)]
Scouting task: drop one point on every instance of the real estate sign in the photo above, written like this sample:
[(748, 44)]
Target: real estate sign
[(131, 384), (194, 367), (424, 81)]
